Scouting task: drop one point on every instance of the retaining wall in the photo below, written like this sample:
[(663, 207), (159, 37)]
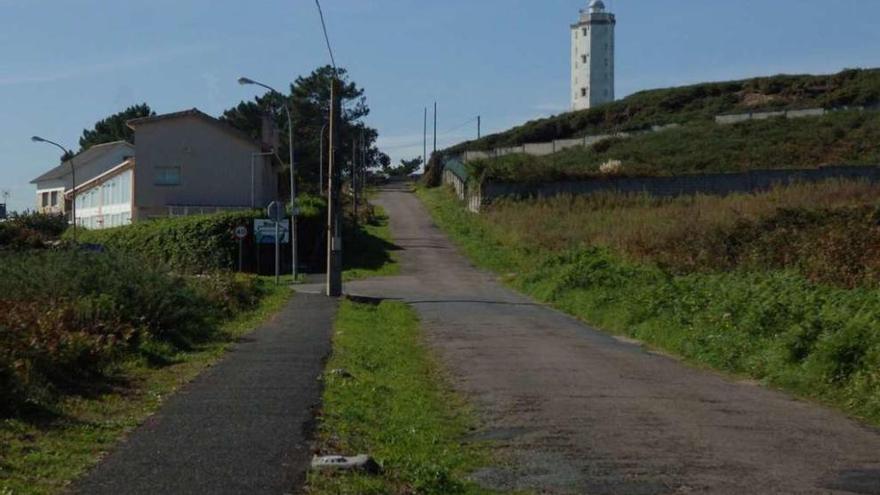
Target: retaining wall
[(680, 185)]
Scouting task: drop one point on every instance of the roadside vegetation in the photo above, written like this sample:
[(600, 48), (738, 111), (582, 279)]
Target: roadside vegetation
[(782, 287), (839, 138), (91, 341), (373, 251), (385, 396), (696, 103)]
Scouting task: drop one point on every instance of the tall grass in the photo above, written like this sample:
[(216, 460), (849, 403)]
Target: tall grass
[(828, 231)]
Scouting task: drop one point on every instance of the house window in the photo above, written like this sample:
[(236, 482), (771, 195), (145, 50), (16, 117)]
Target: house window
[(583, 58), (44, 197), (583, 92), (54, 201), (167, 176), (585, 31)]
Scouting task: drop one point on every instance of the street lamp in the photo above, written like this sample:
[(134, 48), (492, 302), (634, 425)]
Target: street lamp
[(244, 81), (38, 139)]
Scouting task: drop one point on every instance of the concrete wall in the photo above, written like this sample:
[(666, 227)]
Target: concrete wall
[(215, 167), (709, 184), (790, 114)]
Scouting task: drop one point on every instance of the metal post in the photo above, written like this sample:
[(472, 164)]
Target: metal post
[(435, 127), (277, 251), (334, 232), (293, 213), (479, 125)]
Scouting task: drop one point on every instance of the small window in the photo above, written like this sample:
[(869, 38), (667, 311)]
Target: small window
[(167, 176), (54, 198), (585, 31), (45, 199), (583, 59), (584, 92)]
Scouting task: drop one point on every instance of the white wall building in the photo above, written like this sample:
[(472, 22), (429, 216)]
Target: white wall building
[(592, 57)]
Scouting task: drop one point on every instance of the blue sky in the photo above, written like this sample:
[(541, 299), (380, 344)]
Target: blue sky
[(65, 64)]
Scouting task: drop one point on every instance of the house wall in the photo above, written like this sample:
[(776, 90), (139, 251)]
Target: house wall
[(107, 204), (214, 168)]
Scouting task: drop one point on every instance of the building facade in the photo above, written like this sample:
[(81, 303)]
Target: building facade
[(592, 57), (189, 162)]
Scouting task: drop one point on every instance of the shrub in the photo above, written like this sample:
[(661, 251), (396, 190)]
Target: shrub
[(31, 230), (192, 244), (66, 314)]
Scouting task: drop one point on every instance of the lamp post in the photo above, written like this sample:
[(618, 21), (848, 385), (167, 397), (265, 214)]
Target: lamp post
[(294, 270), (38, 139)]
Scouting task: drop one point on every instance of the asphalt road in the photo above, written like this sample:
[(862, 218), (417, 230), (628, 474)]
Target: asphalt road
[(242, 427), (574, 410)]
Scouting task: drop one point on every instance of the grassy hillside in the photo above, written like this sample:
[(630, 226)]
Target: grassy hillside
[(848, 137), (783, 287), (700, 102)]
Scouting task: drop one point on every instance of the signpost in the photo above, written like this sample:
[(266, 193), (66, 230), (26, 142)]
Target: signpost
[(241, 233), (276, 214)]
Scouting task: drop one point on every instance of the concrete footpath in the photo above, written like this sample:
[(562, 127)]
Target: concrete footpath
[(242, 426)]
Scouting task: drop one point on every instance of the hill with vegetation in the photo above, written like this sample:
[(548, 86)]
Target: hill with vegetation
[(838, 138), (695, 103)]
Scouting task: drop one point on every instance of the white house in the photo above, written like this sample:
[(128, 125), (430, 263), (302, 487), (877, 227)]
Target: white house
[(592, 57), (52, 186)]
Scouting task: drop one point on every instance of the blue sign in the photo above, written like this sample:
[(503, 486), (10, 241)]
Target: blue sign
[(264, 231)]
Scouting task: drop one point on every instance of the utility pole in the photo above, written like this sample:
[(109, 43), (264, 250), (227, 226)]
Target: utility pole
[(334, 232), (425, 140), (435, 127), (479, 125)]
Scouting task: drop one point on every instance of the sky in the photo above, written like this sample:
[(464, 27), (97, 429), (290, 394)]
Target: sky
[(65, 64)]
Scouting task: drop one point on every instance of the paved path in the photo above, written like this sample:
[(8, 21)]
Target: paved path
[(578, 411), (241, 427)]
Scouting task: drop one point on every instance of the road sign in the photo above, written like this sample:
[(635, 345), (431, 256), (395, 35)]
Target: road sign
[(241, 232), (264, 231)]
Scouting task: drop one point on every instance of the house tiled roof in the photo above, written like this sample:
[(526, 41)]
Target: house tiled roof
[(82, 158), (195, 112)]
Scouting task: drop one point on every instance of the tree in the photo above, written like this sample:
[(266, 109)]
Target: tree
[(406, 167), (114, 128), (309, 98)]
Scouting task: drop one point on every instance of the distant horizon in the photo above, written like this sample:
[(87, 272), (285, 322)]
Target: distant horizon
[(58, 84)]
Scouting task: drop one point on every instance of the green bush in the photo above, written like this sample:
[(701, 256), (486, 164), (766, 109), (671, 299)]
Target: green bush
[(192, 244), (66, 314), (31, 230)]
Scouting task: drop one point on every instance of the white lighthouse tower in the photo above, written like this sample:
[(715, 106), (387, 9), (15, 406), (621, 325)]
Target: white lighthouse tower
[(592, 57)]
